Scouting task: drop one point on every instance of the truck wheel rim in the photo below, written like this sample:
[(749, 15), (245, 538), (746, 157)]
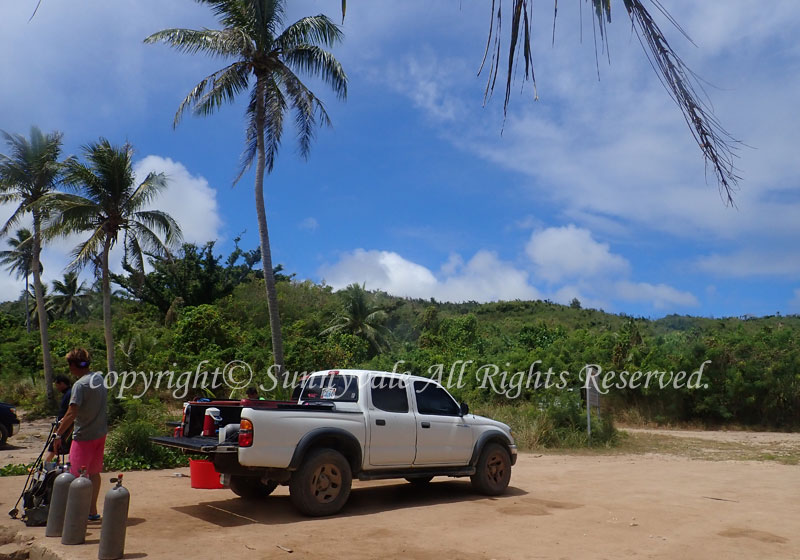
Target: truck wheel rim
[(326, 483), (496, 468)]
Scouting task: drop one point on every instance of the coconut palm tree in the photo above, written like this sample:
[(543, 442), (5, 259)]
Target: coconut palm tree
[(18, 260), (48, 304), (361, 319), (108, 204), (265, 61), (69, 298), (27, 175)]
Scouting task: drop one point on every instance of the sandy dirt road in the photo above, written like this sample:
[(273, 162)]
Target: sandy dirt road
[(558, 506)]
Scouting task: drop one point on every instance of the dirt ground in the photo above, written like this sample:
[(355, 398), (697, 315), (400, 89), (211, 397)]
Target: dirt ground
[(26, 445), (558, 506)]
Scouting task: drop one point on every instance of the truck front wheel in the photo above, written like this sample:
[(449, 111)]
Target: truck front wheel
[(493, 471), (321, 485), (251, 487)]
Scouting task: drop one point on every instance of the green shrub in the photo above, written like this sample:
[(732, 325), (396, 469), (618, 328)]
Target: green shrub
[(14, 470), (129, 447), (553, 425)]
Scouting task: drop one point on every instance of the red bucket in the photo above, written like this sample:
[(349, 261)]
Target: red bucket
[(203, 474)]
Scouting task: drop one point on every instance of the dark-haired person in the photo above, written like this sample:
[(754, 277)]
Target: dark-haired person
[(252, 394), (64, 386), (87, 412)]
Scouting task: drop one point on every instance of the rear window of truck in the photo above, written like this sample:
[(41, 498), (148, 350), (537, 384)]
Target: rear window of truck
[(338, 388)]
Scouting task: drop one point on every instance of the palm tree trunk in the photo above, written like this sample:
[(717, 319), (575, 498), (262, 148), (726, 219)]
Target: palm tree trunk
[(261, 214), (107, 307), (27, 305), (40, 306)]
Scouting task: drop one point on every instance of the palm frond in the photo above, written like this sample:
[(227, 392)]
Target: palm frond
[(162, 222), (717, 145), (304, 104), (224, 87), (311, 30), (147, 190), (88, 251), (74, 214), (314, 61), (217, 43), (133, 253), (147, 240), (13, 220)]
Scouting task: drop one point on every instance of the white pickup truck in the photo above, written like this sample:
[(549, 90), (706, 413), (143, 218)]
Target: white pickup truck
[(349, 423)]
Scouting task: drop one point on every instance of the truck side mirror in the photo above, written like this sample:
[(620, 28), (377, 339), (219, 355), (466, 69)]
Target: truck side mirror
[(464, 409)]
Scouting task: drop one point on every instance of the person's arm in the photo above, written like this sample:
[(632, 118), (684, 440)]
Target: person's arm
[(64, 426)]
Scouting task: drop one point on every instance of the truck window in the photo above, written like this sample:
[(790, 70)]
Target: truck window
[(389, 394), (432, 399), (338, 388)]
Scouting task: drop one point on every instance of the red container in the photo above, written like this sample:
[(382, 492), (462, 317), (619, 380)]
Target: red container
[(203, 474)]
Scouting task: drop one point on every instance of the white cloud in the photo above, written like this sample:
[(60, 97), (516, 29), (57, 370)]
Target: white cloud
[(752, 263), (483, 278), (309, 224), (381, 270), (660, 296), (568, 258), (570, 252), (616, 156), (794, 303), (428, 82), (188, 198)]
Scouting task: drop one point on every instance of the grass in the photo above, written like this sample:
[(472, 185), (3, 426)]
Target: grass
[(787, 453), (641, 443)]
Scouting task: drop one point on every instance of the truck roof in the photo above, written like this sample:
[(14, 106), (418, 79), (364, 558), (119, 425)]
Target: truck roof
[(363, 373)]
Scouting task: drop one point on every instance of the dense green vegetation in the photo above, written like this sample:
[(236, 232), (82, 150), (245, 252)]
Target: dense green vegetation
[(750, 377)]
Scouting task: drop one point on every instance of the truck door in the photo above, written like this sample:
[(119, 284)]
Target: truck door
[(442, 435), (392, 432)]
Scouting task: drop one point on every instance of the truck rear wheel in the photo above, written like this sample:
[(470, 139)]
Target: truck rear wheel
[(3, 435), (321, 485), (251, 487), (493, 471)]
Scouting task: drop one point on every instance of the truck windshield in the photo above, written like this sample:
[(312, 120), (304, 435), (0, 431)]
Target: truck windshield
[(340, 388)]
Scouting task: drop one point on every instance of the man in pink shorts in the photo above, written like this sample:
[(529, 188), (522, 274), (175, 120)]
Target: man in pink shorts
[(87, 410)]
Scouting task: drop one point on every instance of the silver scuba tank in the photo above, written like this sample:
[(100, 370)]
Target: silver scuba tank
[(115, 520), (79, 502), (58, 504)]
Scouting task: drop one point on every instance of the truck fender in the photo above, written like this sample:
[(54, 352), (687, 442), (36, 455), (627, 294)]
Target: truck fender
[(485, 438), (335, 438)]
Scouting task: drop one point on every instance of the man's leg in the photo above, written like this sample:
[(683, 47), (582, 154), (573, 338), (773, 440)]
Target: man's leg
[(95, 478)]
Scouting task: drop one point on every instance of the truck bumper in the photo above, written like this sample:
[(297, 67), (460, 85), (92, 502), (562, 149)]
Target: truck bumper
[(513, 450), (14, 428)]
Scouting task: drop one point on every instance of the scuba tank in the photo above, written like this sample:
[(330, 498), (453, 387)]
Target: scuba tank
[(115, 520), (79, 502), (58, 504)]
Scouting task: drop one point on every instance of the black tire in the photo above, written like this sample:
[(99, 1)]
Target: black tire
[(251, 487), (321, 485), (419, 480), (3, 435), (493, 471)]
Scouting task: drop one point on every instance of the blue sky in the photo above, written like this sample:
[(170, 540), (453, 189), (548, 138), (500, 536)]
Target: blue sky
[(595, 191)]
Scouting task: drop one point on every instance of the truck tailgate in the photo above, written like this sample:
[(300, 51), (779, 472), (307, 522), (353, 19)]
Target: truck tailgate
[(198, 444)]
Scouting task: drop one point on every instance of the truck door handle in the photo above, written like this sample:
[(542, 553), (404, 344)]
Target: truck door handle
[(380, 422), (426, 424)]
